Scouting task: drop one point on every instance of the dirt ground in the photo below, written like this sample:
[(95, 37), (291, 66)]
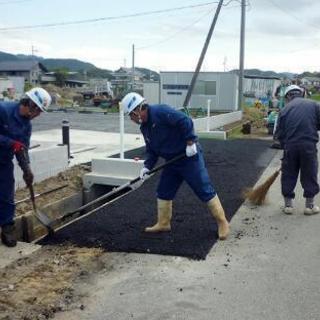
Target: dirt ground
[(70, 180), (38, 286)]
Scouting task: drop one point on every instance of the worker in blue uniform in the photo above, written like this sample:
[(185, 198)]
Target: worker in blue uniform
[(15, 132), (168, 133), (297, 131)]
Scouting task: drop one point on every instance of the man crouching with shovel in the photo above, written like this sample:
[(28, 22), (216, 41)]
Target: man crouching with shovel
[(15, 133), (168, 133)]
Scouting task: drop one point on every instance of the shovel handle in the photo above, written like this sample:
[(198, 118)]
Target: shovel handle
[(179, 157), (120, 188)]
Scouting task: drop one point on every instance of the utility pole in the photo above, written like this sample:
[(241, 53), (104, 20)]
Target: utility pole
[(133, 70), (225, 64), (202, 55), (33, 58), (33, 50), (241, 61)]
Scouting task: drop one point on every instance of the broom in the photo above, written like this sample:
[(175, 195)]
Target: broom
[(258, 195)]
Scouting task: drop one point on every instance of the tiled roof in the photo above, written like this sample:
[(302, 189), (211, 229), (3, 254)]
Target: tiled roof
[(19, 65)]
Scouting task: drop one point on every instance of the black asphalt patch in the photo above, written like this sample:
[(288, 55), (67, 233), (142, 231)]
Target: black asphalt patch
[(232, 165)]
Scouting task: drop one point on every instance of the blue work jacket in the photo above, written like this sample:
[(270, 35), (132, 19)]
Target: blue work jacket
[(166, 133), (298, 122), (12, 127)]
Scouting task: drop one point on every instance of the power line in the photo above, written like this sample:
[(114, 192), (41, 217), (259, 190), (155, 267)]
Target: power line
[(175, 34), (13, 2), (134, 15), (139, 14), (293, 16)]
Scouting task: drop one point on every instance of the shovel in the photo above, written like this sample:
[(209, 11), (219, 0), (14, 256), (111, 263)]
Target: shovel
[(43, 218), (130, 184)]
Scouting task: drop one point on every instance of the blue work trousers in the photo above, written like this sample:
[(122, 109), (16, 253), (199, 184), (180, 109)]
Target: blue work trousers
[(7, 206), (301, 158), (193, 171)]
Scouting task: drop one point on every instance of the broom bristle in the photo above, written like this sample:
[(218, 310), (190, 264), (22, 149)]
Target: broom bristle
[(258, 195)]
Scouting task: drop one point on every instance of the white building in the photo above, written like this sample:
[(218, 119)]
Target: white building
[(219, 87)]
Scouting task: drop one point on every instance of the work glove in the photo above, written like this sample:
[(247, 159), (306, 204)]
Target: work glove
[(191, 150), (143, 173), (17, 146), (28, 176)]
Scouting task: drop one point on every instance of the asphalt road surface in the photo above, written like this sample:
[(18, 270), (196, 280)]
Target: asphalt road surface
[(92, 121)]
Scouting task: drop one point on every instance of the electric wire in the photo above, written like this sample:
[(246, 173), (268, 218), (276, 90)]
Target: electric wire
[(175, 34), (13, 2), (290, 14), (126, 16)]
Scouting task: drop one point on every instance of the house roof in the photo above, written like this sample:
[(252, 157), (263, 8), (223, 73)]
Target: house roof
[(247, 76), (23, 65), (311, 78)]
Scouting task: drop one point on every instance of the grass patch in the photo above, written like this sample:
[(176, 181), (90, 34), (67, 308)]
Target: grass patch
[(235, 133), (316, 97)]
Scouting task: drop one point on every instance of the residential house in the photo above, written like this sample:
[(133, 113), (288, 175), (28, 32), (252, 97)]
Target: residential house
[(30, 70), (310, 81), (124, 81)]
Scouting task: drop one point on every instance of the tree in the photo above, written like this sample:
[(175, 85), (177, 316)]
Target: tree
[(27, 86), (61, 77)]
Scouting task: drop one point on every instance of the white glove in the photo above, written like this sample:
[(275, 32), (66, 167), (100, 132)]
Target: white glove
[(143, 172), (191, 150)]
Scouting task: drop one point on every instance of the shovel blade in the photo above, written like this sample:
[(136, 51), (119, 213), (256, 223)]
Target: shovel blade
[(44, 220)]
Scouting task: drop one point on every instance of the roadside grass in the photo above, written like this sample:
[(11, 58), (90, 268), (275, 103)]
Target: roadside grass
[(316, 97)]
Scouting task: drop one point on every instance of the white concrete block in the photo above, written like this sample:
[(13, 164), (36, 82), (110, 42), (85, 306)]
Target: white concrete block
[(112, 171), (217, 121)]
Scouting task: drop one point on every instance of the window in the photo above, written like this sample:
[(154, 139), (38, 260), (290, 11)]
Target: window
[(207, 88), (175, 86)]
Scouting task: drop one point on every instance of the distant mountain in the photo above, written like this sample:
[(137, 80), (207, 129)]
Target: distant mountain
[(28, 57), (7, 56), (149, 74), (70, 64), (261, 73), (85, 69)]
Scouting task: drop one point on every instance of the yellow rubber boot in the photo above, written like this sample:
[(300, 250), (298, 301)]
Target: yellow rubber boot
[(217, 212), (164, 217)]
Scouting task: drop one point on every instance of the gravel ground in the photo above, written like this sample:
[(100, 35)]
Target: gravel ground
[(233, 165)]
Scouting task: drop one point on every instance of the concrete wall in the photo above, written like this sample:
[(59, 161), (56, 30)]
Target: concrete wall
[(151, 92), (219, 87), (45, 163), (215, 122)]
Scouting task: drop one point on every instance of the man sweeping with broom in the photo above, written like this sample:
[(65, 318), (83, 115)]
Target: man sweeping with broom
[(297, 131)]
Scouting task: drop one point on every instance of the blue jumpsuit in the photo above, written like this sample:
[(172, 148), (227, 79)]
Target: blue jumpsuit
[(12, 127), (166, 133), (297, 131)]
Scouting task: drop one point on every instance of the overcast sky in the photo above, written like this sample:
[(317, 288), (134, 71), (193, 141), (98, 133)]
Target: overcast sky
[(281, 35)]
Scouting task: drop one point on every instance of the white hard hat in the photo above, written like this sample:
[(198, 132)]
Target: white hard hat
[(130, 101), (40, 97), (292, 87)]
